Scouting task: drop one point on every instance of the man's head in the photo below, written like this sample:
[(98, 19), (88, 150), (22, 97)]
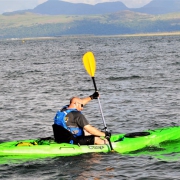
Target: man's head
[(77, 103)]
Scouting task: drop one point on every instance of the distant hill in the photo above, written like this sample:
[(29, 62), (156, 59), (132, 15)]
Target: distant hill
[(160, 7), (58, 18), (56, 7), (30, 25)]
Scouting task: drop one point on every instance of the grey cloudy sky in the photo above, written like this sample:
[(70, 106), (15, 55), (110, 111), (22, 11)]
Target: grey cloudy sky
[(13, 5)]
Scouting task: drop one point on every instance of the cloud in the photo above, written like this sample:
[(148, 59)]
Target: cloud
[(41, 1), (13, 5), (135, 3)]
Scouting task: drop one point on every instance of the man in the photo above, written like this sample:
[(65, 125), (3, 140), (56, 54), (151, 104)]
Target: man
[(70, 124)]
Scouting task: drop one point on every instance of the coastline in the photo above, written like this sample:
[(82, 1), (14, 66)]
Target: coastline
[(177, 33)]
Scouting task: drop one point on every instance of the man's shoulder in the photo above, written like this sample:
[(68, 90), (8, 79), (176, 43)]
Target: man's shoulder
[(75, 113)]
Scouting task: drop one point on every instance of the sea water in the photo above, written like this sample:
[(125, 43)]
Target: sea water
[(138, 79)]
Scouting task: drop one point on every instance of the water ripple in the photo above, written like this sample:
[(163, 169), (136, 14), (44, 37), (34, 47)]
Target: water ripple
[(138, 79)]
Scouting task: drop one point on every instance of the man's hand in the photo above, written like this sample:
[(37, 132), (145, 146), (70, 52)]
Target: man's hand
[(107, 135), (95, 95)]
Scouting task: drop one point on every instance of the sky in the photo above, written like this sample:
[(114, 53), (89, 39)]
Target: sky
[(14, 5)]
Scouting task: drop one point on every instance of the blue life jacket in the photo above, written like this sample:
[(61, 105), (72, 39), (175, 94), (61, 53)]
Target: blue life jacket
[(59, 119)]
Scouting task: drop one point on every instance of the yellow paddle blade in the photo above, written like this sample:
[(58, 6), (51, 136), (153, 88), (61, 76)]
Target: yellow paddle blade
[(89, 63)]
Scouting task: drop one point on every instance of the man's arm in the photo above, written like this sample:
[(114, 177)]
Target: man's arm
[(92, 130), (91, 97), (86, 100)]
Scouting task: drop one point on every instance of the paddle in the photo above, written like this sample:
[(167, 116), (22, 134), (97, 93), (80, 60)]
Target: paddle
[(90, 66)]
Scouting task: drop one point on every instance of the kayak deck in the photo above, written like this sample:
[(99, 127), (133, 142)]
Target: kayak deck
[(122, 143), (47, 146), (153, 139)]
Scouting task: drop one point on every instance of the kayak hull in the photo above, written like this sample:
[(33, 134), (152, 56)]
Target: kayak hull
[(120, 142)]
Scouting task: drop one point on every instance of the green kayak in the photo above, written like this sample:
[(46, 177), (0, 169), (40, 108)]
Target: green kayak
[(121, 143)]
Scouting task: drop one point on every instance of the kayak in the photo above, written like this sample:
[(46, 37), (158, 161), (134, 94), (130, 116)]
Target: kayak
[(121, 143)]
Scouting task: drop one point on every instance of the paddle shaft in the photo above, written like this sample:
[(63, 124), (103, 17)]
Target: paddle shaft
[(105, 127)]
